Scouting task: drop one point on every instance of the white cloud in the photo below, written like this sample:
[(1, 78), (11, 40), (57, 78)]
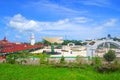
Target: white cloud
[(111, 22), (21, 23), (78, 27), (63, 21), (81, 19), (99, 3), (52, 6), (53, 9)]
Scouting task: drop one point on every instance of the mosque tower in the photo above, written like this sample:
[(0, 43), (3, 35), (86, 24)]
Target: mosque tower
[(32, 39)]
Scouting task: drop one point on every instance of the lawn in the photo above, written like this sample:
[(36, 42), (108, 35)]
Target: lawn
[(25, 72)]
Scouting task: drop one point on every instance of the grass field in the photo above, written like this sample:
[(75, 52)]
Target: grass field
[(25, 72)]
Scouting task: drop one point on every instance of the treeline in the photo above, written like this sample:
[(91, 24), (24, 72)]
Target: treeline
[(76, 42), (65, 42)]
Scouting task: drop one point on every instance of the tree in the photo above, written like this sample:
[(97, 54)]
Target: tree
[(46, 42), (110, 56), (76, 42), (116, 39), (109, 36)]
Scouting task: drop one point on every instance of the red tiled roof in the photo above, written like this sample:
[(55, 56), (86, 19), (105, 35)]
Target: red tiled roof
[(20, 47), (7, 47)]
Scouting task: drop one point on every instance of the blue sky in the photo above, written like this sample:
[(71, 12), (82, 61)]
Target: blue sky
[(71, 19)]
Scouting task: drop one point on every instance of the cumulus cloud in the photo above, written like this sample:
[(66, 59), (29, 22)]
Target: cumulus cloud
[(21, 23), (78, 27)]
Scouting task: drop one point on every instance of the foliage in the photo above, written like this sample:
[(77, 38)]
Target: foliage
[(80, 60), (109, 36), (96, 61), (76, 42), (116, 39), (62, 60), (116, 62), (108, 68), (16, 57), (110, 56), (11, 58), (37, 43), (46, 42), (84, 43), (43, 58), (47, 59)]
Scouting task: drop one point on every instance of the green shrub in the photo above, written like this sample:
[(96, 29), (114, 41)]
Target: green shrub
[(11, 58), (110, 56), (73, 65), (81, 60), (96, 61), (62, 60), (42, 57), (47, 59), (52, 62), (107, 68), (116, 62), (78, 59)]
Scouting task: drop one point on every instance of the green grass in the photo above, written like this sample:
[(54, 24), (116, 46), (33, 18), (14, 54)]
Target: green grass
[(25, 72)]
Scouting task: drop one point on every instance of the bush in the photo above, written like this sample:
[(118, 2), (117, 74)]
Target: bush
[(78, 59), (43, 57), (96, 61), (107, 68), (62, 60), (11, 58), (116, 62), (110, 56), (81, 60)]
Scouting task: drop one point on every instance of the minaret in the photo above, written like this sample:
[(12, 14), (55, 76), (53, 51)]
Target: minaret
[(32, 39)]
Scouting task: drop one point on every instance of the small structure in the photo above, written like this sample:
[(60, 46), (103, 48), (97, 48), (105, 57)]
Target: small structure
[(71, 44)]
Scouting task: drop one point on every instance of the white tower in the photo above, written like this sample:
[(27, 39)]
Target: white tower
[(32, 39)]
